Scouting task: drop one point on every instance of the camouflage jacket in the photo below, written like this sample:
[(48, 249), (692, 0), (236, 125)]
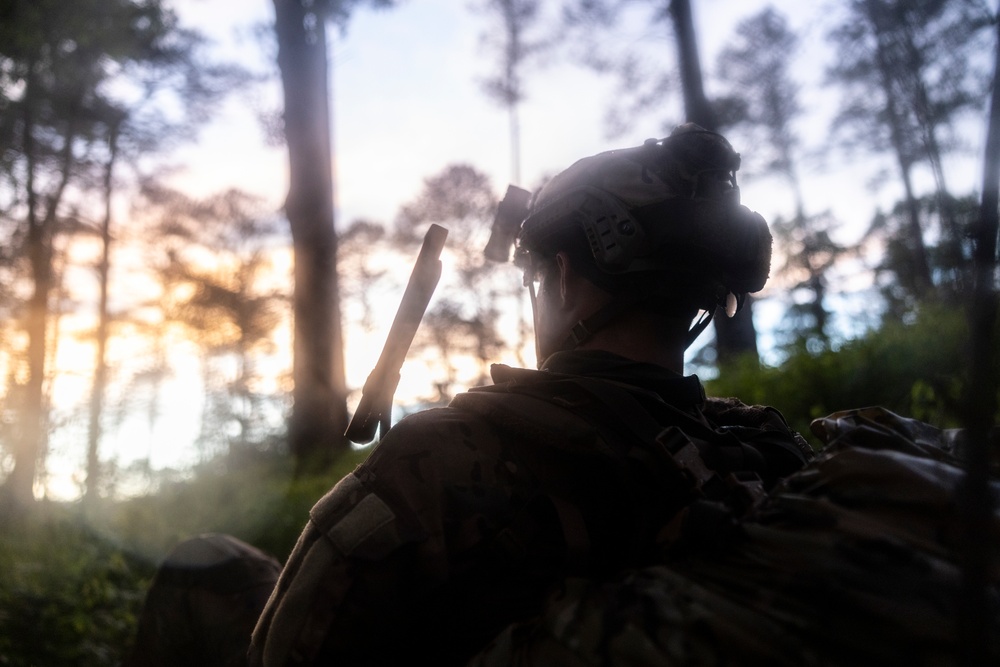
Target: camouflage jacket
[(463, 518)]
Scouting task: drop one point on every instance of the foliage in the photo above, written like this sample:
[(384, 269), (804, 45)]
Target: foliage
[(809, 256), (80, 83), (949, 254), (357, 246), (464, 319), (916, 369), (645, 74), (212, 258), (67, 595)]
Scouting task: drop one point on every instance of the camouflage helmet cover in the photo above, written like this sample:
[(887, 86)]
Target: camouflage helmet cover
[(669, 206)]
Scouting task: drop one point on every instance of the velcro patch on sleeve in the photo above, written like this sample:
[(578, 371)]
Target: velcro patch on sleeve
[(358, 523)]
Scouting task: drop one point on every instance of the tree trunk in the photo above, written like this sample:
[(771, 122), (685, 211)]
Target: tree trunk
[(515, 143), (18, 488), (735, 336), (921, 265), (100, 360), (897, 133), (696, 105), (929, 124), (29, 442), (319, 413)]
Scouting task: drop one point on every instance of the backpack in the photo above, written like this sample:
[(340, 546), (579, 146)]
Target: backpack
[(203, 604), (854, 559)]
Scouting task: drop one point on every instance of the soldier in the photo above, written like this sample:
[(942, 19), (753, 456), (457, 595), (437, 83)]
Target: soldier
[(464, 519)]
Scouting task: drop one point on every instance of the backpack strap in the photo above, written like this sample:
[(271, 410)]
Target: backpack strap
[(733, 463)]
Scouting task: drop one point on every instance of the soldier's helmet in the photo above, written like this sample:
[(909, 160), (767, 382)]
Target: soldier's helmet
[(661, 223)]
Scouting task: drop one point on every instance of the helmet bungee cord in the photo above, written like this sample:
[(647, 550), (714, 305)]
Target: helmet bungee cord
[(659, 226)]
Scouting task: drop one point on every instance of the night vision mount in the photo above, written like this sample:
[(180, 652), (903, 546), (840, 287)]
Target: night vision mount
[(615, 237), (511, 212)]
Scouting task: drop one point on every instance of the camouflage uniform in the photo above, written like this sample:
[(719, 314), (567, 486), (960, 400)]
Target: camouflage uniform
[(464, 518)]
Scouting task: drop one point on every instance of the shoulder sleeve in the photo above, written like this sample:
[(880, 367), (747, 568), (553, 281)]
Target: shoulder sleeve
[(378, 533), (350, 522)]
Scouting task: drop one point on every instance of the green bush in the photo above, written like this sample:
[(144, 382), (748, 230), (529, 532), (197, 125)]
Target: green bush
[(915, 369), (67, 595)]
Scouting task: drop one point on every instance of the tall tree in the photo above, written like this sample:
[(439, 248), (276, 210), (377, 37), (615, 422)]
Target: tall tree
[(888, 235), (764, 100), (510, 43), (63, 66), (319, 411), (906, 71), (103, 320), (981, 546), (754, 68), (734, 336)]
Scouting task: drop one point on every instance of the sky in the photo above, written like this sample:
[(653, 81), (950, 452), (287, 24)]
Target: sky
[(407, 102)]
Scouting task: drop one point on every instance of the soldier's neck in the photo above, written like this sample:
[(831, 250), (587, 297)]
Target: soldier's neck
[(639, 343)]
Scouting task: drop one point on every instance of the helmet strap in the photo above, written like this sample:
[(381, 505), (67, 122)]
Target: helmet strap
[(733, 304), (534, 320), (585, 329), (700, 325)]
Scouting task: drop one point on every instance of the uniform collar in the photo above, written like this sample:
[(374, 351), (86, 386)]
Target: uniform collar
[(672, 387)]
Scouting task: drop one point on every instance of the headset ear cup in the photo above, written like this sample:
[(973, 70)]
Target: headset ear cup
[(746, 263), (730, 244), (761, 253)]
